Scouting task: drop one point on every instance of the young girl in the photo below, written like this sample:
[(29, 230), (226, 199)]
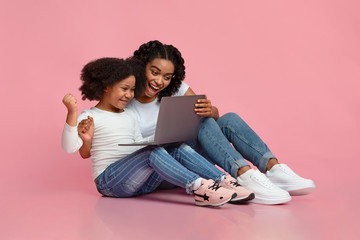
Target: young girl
[(131, 171)]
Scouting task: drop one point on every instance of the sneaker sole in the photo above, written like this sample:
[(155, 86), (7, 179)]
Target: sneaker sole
[(268, 201), (300, 192), (243, 199), (207, 204), (297, 190)]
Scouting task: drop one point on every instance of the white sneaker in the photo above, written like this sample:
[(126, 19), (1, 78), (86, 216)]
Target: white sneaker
[(265, 191), (282, 176)]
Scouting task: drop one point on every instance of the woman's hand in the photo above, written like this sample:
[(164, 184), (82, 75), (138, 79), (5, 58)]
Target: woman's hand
[(204, 108)]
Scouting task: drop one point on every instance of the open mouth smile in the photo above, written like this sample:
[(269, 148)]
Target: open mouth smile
[(124, 101), (154, 87)]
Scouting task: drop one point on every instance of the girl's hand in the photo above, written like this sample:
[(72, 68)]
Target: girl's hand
[(86, 129), (204, 108), (86, 132), (70, 103)]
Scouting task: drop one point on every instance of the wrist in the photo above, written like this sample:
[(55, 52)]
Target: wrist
[(72, 111), (86, 139), (71, 119), (215, 113)]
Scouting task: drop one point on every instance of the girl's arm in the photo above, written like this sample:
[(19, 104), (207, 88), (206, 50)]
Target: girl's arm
[(71, 104), (204, 107), (70, 140)]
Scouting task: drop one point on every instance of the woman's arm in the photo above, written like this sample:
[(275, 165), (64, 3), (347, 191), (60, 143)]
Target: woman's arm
[(204, 107)]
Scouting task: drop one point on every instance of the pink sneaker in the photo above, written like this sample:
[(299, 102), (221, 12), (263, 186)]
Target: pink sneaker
[(211, 193), (243, 194)]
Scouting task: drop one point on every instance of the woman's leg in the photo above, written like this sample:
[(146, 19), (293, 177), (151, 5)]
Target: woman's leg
[(250, 145), (245, 140), (218, 148)]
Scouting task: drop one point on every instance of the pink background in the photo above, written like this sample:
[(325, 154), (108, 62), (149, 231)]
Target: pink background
[(291, 69)]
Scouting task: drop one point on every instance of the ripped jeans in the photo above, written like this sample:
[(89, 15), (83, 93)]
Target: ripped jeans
[(142, 171)]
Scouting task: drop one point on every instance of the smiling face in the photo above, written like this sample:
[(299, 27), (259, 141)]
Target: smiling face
[(159, 73), (117, 96)]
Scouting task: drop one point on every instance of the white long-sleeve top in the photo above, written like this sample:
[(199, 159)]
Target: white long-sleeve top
[(110, 129)]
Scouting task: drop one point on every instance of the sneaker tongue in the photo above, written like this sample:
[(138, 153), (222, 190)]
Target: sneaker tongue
[(274, 168), (247, 174), (288, 170)]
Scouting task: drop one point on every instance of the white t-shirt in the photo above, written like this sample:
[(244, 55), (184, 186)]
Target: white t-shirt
[(110, 129), (147, 113)]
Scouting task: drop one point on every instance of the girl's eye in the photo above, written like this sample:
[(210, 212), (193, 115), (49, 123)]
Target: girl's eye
[(154, 72), (132, 89)]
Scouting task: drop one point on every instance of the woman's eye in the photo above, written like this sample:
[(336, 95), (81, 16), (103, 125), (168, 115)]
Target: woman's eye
[(154, 72)]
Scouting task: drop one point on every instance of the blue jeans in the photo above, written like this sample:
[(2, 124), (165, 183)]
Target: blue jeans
[(216, 137), (142, 171)]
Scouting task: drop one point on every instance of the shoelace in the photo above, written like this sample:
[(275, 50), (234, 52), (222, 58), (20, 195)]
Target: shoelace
[(235, 183), (288, 171), (215, 186), (263, 180)]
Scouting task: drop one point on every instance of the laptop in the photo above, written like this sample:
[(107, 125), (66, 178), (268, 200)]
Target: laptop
[(177, 121)]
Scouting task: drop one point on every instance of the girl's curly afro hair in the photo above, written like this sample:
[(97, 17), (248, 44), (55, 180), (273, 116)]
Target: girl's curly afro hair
[(155, 49), (105, 72)]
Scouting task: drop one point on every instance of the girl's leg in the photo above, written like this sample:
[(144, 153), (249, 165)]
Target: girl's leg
[(143, 171), (218, 148), (245, 140), (193, 161), (153, 182), (207, 193), (126, 177), (198, 164), (171, 170)]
